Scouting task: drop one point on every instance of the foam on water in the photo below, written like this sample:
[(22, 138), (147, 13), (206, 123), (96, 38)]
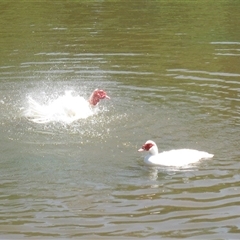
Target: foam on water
[(66, 109)]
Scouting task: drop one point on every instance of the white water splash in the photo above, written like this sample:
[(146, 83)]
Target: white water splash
[(65, 109)]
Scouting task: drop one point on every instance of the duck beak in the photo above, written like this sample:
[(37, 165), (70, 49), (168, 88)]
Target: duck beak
[(107, 97), (140, 150)]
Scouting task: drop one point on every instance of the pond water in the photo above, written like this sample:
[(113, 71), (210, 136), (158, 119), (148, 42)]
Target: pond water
[(172, 72)]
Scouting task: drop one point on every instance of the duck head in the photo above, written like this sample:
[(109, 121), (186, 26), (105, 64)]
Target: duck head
[(96, 96), (149, 146)]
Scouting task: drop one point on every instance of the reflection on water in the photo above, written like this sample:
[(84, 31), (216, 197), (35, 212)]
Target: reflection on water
[(172, 72)]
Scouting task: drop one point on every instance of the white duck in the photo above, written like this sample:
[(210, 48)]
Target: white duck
[(176, 157), (66, 108)]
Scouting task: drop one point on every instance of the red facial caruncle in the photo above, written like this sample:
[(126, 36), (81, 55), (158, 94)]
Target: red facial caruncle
[(96, 96), (146, 147)]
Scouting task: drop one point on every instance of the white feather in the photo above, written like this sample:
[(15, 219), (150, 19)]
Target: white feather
[(66, 108)]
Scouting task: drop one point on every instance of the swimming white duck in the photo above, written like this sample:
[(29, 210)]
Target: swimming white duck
[(176, 157), (66, 108)]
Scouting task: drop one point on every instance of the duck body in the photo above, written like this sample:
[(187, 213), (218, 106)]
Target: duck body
[(176, 157), (66, 108)]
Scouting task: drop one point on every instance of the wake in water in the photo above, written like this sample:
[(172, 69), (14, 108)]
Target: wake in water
[(66, 108)]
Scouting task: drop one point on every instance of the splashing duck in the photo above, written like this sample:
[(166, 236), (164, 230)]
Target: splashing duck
[(66, 108)]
